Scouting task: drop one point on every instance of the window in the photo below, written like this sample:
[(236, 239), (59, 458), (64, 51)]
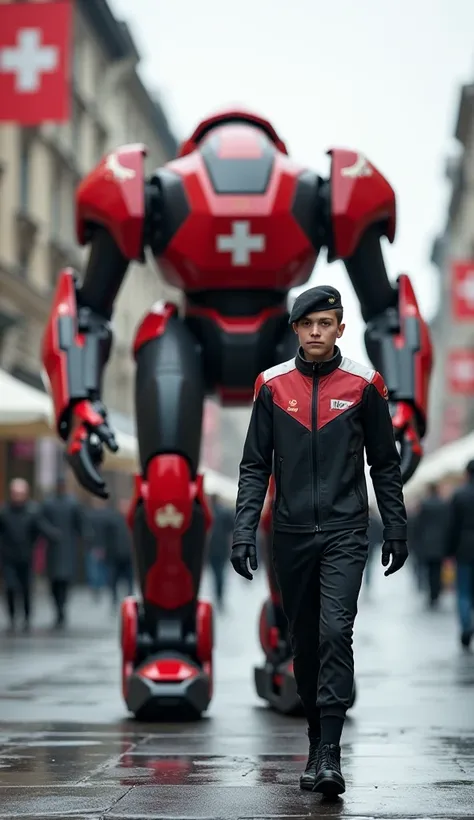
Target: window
[(25, 172)]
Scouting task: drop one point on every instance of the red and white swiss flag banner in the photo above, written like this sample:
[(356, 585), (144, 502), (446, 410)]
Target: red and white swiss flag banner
[(35, 51), (462, 287), (461, 371)]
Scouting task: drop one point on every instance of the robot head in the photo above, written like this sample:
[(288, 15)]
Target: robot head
[(230, 115)]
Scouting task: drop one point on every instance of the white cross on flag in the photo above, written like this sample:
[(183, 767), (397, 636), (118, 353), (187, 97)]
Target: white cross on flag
[(34, 62), (463, 289), (461, 371)]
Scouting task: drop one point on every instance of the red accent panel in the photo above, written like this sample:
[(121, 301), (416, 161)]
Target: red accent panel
[(113, 195), (380, 385), (236, 324), (281, 257), (408, 307), (55, 359), (204, 630), (129, 629), (403, 420), (225, 116), (292, 393), (260, 381), (154, 324), (168, 670), (339, 387), (360, 196)]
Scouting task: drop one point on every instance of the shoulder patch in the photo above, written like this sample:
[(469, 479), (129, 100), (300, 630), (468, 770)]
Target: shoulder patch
[(357, 369), (279, 370)]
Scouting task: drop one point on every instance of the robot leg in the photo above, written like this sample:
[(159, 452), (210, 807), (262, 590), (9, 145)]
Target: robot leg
[(167, 636), (274, 679)]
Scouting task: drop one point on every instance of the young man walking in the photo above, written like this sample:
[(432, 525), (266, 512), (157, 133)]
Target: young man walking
[(312, 418)]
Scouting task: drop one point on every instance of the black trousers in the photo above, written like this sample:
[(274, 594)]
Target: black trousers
[(18, 583), (433, 571), (59, 593), (320, 577)]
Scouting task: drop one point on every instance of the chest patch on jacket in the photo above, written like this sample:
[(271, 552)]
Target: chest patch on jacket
[(340, 404)]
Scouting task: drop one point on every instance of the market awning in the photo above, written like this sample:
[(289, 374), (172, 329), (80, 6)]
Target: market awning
[(27, 413)]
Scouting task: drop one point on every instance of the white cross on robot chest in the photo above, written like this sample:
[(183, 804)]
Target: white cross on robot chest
[(240, 243), (466, 288), (28, 60)]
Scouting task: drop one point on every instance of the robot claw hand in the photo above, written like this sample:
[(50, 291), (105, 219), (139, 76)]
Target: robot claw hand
[(90, 431), (406, 433)]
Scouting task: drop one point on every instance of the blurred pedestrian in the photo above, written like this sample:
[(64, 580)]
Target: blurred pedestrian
[(430, 532), (312, 419), (21, 524), (64, 512), (95, 538), (460, 545), (119, 551), (219, 546)]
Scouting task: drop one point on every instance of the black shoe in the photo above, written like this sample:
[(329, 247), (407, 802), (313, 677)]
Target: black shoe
[(308, 777), (466, 638), (329, 780)]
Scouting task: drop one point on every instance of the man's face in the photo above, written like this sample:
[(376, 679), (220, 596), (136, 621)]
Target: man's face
[(318, 333), (18, 491)]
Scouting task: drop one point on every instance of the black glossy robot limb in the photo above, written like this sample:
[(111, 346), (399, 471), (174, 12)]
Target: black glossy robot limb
[(172, 662), (397, 342)]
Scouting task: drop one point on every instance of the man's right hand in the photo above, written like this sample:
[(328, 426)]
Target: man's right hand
[(241, 553), (85, 448)]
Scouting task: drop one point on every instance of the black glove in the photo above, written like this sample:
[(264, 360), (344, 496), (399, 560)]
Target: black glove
[(240, 554), (90, 431), (398, 551)]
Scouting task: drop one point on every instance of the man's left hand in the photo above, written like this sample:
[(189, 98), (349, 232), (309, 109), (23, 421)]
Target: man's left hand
[(398, 552)]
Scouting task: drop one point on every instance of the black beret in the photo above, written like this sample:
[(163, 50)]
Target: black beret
[(323, 297)]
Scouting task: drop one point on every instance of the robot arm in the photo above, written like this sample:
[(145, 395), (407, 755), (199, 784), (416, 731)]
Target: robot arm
[(78, 337), (360, 208)]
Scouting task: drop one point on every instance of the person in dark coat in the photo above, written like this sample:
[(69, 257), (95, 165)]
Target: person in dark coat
[(219, 546), (460, 545), (21, 524), (96, 528), (64, 512), (430, 535), (119, 551)]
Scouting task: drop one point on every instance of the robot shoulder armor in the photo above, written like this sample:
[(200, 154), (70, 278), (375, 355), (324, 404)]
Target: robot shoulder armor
[(360, 197), (113, 195)]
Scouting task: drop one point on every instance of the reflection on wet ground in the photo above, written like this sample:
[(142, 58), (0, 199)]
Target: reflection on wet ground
[(68, 750)]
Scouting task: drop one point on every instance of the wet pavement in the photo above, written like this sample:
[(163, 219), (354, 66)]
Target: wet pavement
[(68, 749)]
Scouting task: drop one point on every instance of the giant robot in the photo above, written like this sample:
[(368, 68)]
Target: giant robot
[(235, 224)]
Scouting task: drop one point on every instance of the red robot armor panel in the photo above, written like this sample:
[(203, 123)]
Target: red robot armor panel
[(360, 196), (226, 116), (112, 195), (241, 230)]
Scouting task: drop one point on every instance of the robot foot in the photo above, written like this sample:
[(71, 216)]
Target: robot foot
[(276, 684), (166, 685)]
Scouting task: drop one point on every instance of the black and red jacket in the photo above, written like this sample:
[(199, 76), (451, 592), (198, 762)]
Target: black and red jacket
[(310, 424)]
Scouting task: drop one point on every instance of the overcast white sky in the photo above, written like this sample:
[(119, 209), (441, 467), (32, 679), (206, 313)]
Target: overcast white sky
[(377, 76)]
